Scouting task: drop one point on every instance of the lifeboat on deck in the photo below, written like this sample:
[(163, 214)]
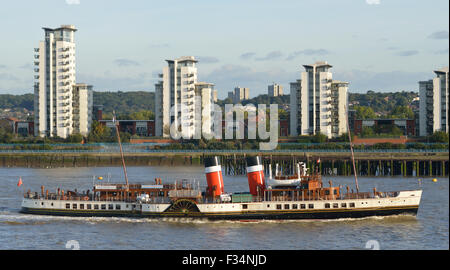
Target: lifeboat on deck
[(286, 180)]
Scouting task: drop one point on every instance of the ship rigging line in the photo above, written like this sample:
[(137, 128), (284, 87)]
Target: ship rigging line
[(351, 150), (116, 124)]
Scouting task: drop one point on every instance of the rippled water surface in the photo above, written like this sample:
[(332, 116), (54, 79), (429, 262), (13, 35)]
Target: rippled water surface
[(429, 230)]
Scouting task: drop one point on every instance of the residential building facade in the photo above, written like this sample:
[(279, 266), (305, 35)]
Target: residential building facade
[(239, 94), (179, 98), (317, 103), (55, 69), (275, 90), (434, 103)]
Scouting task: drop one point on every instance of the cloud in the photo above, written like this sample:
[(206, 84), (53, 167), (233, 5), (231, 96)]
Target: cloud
[(159, 45), (73, 2), (122, 62), (270, 56), (109, 81), (8, 77), (248, 55), (373, 2), (439, 35), (363, 80), (26, 66), (444, 51), (407, 53), (207, 59), (307, 52)]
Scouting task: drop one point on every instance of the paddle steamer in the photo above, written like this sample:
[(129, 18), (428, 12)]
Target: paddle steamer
[(301, 195)]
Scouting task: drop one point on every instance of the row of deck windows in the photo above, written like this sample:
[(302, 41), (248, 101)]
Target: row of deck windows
[(89, 206), (310, 206)]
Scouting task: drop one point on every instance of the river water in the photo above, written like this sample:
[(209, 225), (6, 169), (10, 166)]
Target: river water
[(429, 230)]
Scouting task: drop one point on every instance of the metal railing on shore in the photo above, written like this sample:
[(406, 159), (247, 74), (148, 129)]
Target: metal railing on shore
[(287, 151)]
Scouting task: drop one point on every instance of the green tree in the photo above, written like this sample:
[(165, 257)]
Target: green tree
[(439, 137), (364, 112)]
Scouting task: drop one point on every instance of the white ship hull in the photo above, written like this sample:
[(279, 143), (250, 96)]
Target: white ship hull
[(406, 202)]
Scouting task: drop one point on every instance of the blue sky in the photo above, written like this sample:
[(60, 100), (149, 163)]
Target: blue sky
[(382, 45)]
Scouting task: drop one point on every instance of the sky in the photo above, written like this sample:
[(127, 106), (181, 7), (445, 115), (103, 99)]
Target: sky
[(380, 45)]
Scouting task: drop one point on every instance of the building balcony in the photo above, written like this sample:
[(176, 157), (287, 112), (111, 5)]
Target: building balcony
[(36, 49), (36, 56), (36, 63), (36, 70), (36, 77)]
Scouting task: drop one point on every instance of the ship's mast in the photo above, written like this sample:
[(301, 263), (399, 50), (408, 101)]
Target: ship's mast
[(351, 149), (116, 124)]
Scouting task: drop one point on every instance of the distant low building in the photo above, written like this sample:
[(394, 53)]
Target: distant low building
[(239, 94), (20, 127), (275, 90), (408, 126), (144, 128)]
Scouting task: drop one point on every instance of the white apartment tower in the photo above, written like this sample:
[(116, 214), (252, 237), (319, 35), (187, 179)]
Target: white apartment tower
[(53, 89), (317, 103), (434, 103), (178, 91)]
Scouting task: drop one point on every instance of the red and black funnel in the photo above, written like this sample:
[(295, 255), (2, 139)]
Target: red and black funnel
[(255, 175), (214, 178)]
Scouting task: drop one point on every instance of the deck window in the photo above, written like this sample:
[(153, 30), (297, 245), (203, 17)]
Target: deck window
[(103, 206), (302, 206), (352, 204), (295, 206), (311, 206), (244, 206), (81, 206), (74, 206), (96, 206), (110, 206), (117, 206), (327, 205), (286, 206), (335, 205), (88, 206), (67, 205), (278, 206), (344, 205)]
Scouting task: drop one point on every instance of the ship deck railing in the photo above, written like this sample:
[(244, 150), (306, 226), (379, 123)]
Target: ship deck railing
[(206, 200)]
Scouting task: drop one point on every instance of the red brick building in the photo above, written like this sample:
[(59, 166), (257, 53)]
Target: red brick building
[(408, 126)]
